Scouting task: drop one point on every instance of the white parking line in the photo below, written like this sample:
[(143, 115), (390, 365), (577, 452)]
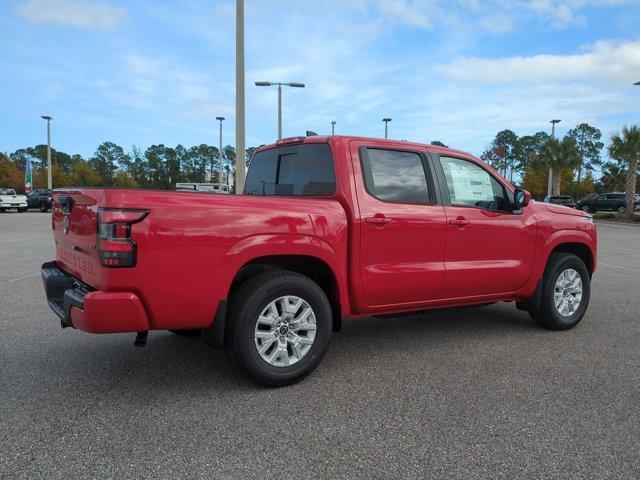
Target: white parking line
[(618, 266), (18, 279), (24, 240)]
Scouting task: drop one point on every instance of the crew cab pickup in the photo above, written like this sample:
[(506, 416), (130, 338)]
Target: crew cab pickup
[(328, 228)]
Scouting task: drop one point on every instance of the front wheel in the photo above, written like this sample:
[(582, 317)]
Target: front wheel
[(566, 290), (622, 209), (279, 327), (22, 210), (585, 208), (44, 208)]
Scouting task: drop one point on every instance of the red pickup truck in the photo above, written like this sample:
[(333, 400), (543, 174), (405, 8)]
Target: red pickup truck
[(328, 228)]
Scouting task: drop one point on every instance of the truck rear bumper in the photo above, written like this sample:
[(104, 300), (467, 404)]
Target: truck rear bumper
[(93, 311)]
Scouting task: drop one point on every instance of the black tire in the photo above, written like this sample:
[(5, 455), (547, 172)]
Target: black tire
[(547, 314), (622, 209), (2, 210), (44, 208), (585, 208), (22, 210), (187, 333), (246, 305)]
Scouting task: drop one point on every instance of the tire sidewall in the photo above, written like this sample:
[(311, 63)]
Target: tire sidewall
[(564, 263), (244, 334)]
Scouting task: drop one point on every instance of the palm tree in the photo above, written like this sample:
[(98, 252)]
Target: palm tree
[(560, 155), (625, 149)]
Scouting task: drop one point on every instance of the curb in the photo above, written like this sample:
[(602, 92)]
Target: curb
[(614, 222)]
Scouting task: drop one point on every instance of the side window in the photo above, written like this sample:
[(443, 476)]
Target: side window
[(305, 170), (395, 176), (471, 185)]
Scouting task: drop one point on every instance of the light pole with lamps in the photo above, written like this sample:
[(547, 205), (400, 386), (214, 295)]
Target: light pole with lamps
[(386, 127), (280, 84), (550, 180), (333, 127), (49, 179), (220, 119)]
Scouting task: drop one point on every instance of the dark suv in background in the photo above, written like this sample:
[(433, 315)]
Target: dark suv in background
[(565, 200), (39, 198), (615, 201)]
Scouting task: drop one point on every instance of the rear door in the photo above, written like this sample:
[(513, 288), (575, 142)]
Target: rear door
[(402, 226), (75, 228)]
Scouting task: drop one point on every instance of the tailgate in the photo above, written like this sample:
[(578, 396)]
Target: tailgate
[(75, 228)]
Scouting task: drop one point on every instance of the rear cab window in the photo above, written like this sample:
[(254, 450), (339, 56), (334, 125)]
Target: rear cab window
[(296, 170), (395, 176)]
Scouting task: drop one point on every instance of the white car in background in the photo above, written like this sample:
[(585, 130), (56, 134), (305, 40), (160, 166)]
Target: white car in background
[(10, 199)]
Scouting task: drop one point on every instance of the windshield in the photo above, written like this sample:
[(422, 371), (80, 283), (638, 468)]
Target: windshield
[(7, 191)]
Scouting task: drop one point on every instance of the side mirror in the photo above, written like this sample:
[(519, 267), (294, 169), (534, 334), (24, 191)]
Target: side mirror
[(521, 198)]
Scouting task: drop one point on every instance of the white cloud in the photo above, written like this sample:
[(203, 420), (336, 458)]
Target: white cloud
[(566, 13), (90, 15), (603, 61), (493, 16), (162, 82), (407, 12)]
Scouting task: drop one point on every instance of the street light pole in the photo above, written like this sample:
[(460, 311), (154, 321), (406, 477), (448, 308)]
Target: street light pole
[(220, 119), (240, 145), (279, 111), (49, 177), (550, 180), (333, 127), (386, 127), (280, 85)]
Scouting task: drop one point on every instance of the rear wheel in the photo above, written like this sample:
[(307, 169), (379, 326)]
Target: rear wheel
[(585, 208), (622, 208), (566, 290), (2, 210), (44, 208), (279, 327)]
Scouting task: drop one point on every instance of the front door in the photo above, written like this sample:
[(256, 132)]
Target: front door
[(403, 232), (490, 247)]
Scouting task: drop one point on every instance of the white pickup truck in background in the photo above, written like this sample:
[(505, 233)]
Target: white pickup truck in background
[(10, 199)]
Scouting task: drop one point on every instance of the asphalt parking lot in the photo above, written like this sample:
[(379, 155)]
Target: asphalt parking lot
[(470, 393)]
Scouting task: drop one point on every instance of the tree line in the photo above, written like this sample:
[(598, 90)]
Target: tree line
[(524, 161), (159, 166), (574, 158)]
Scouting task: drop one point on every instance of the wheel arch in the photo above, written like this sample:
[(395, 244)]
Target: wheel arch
[(579, 249), (309, 265)]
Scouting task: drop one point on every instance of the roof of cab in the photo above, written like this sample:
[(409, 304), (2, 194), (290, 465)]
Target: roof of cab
[(378, 141)]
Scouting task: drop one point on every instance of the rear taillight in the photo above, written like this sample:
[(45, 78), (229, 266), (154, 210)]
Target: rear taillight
[(115, 246)]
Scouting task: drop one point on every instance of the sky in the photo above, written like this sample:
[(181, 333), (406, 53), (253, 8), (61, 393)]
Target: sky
[(458, 71)]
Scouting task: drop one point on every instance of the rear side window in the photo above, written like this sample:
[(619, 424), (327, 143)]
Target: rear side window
[(395, 176), (305, 170)]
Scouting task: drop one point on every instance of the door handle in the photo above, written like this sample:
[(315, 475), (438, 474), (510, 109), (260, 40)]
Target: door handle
[(378, 220), (459, 222)]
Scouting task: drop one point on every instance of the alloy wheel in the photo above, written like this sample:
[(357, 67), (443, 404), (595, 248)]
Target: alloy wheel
[(567, 293), (285, 331)]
